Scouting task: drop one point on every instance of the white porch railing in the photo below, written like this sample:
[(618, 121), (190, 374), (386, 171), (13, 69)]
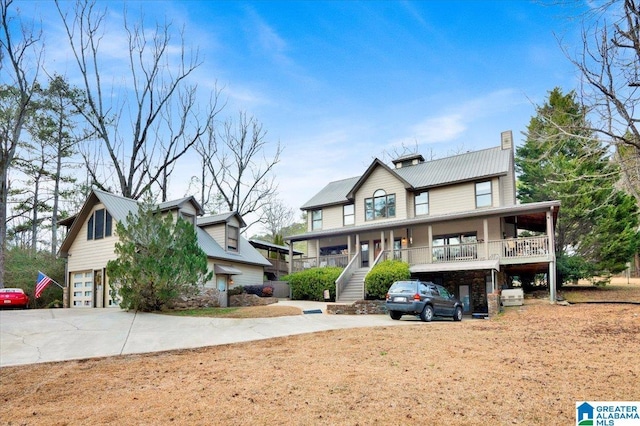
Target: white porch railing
[(508, 249), (515, 248), (302, 263)]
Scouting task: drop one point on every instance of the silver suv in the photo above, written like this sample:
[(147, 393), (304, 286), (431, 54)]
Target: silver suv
[(424, 299)]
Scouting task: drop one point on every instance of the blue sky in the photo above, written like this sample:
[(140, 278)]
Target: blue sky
[(338, 83)]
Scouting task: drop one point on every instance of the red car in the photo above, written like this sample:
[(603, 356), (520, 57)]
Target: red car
[(13, 298)]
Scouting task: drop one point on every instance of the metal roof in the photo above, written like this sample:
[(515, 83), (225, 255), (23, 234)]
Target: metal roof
[(119, 207), (334, 193), (173, 204), (458, 168), (265, 245), (219, 218), (246, 252)]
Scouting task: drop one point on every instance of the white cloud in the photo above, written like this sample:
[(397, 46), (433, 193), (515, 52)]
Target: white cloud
[(454, 120), (439, 129)]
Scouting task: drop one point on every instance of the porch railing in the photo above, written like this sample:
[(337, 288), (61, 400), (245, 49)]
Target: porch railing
[(302, 263), (516, 248), (510, 248)]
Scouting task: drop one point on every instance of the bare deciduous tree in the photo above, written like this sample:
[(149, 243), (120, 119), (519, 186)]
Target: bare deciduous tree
[(237, 173), (277, 216), (145, 123), (20, 60), (609, 64)]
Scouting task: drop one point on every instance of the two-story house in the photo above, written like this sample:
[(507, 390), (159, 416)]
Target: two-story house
[(91, 238), (455, 220)]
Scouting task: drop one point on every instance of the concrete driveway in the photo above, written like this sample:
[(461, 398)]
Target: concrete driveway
[(44, 335)]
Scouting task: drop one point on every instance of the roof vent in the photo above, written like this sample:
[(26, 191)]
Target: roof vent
[(408, 160)]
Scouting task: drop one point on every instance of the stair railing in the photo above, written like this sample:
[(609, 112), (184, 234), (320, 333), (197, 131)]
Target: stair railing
[(346, 274)]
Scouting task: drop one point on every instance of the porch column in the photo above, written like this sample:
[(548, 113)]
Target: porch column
[(290, 266), (349, 249), (551, 234), (485, 225), (317, 253), (381, 240), (391, 244), (430, 242)]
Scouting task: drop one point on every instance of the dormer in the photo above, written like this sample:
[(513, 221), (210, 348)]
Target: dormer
[(224, 228), (187, 208)]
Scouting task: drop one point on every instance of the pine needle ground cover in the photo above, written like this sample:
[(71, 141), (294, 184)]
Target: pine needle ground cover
[(527, 366)]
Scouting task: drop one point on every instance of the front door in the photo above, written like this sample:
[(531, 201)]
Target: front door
[(221, 281), (377, 248), (463, 291), (364, 254)]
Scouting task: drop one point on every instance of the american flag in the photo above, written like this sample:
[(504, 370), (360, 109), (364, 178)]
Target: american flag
[(42, 283)]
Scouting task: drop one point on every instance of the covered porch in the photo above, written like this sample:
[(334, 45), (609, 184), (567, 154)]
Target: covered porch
[(516, 235)]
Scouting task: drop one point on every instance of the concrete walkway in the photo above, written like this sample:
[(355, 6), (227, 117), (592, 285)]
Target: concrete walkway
[(43, 335)]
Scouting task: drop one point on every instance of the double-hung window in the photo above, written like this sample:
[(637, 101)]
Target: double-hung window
[(422, 203), (316, 220), (348, 215), (483, 194), (380, 206), (232, 238)]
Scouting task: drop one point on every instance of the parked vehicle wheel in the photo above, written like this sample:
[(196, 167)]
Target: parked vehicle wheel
[(395, 315), (457, 314), (427, 313)]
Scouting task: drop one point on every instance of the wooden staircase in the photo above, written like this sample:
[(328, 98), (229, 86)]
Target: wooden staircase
[(354, 290)]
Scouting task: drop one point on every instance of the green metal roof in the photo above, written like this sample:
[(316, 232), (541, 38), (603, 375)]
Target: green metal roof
[(445, 171)]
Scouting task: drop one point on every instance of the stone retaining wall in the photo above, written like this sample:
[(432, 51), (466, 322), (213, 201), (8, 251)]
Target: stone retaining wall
[(361, 307), (207, 298)]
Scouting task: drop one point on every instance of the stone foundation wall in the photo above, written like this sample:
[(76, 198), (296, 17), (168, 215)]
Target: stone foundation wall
[(245, 299), (207, 298), (361, 307), (494, 304)]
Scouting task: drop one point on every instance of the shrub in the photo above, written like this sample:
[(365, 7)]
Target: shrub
[(381, 276), (235, 291), (310, 284), (159, 260), (259, 290)]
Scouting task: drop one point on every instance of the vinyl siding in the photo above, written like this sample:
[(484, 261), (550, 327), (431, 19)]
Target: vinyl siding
[(450, 199), (85, 256), (381, 179), (459, 198), (91, 254), (332, 217), (218, 233), (189, 209), (251, 274), (508, 191), (460, 227)]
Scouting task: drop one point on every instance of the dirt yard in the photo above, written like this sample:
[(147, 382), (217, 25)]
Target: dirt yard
[(527, 366)]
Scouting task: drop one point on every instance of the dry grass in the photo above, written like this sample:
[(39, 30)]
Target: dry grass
[(266, 311), (528, 366)]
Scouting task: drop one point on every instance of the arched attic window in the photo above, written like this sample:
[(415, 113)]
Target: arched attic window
[(380, 206)]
